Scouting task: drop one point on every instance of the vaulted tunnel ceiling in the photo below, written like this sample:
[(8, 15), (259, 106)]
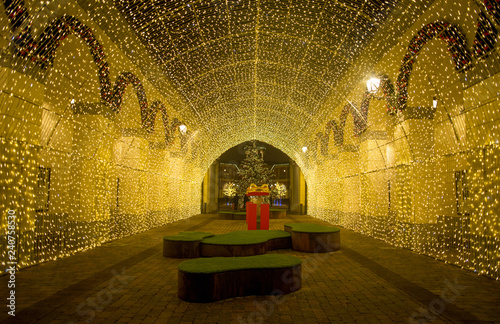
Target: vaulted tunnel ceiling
[(264, 63)]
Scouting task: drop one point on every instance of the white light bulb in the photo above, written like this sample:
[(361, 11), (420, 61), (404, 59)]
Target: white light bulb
[(373, 84)]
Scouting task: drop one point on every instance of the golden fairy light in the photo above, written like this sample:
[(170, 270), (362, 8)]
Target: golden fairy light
[(112, 111)]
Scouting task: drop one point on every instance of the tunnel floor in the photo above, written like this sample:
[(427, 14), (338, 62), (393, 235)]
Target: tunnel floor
[(367, 281)]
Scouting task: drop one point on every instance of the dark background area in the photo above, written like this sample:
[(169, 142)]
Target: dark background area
[(236, 154)]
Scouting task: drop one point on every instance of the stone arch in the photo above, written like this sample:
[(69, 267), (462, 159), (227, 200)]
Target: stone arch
[(63, 132), (455, 42), (42, 49), (444, 85)]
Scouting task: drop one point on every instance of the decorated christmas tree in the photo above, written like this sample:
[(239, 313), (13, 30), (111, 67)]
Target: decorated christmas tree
[(253, 169), (229, 190), (278, 191)]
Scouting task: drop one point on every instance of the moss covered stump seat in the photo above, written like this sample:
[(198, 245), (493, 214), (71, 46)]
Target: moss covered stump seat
[(183, 244), (245, 243), (231, 215), (212, 279), (276, 213), (308, 237), (225, 214)]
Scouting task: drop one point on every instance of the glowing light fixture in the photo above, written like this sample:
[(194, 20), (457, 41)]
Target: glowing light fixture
[(304, 149), (434, 102), (373, 84), (183, 128)]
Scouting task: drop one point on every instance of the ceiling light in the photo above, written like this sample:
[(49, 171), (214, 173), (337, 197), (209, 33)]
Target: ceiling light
[(373, 84)]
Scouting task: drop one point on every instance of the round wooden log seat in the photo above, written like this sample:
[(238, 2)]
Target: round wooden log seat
[(225, 215), (231, 215), (183, 244), (314, 237), (275, 213)]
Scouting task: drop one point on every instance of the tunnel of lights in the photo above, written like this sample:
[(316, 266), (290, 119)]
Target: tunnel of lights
[(92, 94)]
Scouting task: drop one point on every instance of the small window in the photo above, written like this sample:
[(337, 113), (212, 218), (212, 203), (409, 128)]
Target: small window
[(461, 191), (43, 189)]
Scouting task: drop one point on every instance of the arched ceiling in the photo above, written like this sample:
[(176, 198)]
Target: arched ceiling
[(256, 66)]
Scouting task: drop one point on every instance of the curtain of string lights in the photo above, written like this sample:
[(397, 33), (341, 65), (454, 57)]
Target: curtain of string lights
[(112, 111)]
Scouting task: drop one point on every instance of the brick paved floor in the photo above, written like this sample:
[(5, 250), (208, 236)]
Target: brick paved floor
[(367, 281)]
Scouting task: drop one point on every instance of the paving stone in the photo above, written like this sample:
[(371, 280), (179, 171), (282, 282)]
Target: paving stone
[(364, 282)]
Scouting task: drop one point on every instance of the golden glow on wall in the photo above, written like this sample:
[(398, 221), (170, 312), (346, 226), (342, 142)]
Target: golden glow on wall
[(92, 147)]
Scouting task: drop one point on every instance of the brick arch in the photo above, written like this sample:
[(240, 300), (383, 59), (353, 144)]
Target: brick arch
[(42, 52), (455, 41), (484, 42)]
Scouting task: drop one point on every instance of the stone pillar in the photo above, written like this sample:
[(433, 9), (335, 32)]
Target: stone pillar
[(302, 193), (374, 187), (348, 158), (213, 193), (205, 189), (482, 197), (18, 181), (417, 126), (294, 188), (21, 99)]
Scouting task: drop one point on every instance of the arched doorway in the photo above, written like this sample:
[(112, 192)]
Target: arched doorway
[(225, 172)]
